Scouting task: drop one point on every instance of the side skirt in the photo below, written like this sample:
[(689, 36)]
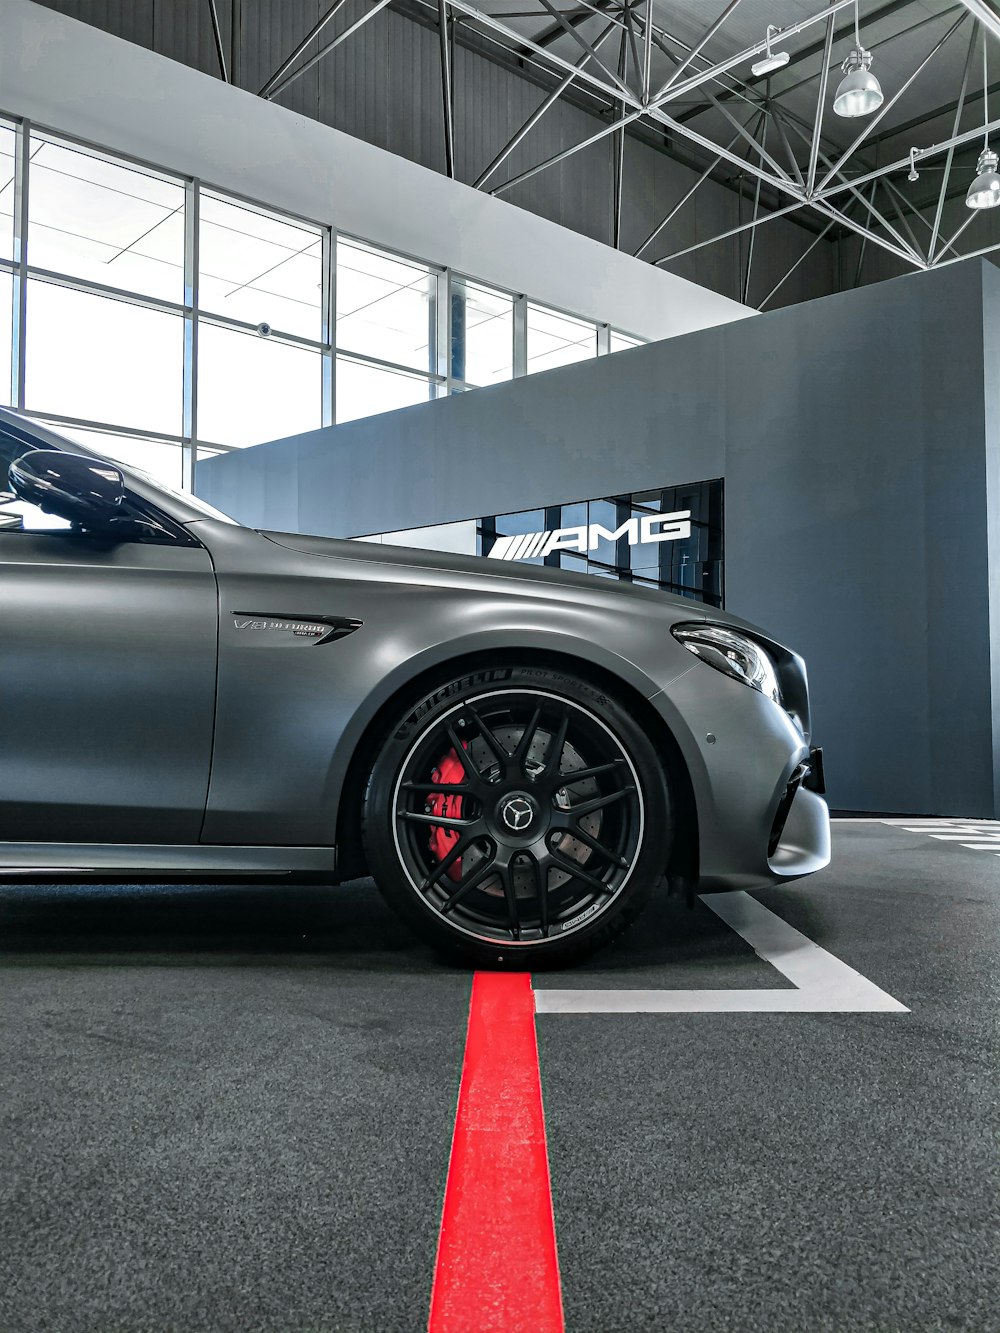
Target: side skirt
[(156, 862)]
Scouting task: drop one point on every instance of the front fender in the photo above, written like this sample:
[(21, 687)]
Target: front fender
[(291, 711)]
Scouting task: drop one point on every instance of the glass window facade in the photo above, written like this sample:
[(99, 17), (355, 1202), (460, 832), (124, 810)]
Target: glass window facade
[(252, 389), (621, 342), (107, 223), (482, 334), (160, 459), (103, 359), (258, 268), (364, 389), (6, 293), (386, 307), (148, 314), (555, 339), (8, 140)]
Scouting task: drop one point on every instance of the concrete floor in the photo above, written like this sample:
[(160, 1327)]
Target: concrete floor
[(231, 1109)]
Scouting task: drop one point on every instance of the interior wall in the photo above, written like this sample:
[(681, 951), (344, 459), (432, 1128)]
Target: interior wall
[(383, 86), (852, 436)]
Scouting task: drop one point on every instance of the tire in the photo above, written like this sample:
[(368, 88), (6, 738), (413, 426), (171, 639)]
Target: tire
[(475, 827)]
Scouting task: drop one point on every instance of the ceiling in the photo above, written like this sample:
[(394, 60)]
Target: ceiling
[(689, 79)]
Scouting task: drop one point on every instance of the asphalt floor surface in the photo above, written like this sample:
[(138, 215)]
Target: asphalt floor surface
[(231, 1109)]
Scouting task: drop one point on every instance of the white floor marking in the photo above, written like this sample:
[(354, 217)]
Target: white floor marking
[(921, 824), (824, 985), (957, 837), (974, 835)]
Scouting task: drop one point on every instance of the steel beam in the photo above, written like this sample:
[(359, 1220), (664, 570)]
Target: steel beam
[(986, 15), (756, 211), (971, 218), (903, 163), (553, 34), (619, 161), (580, 40), (820, 108), (804, 255), (217, 34), (290, 60), (973, 254), (683, 200), (324, 51), (741, 130), (697, 50), (634, 49), (863, 246), (446, 92), (907, 252), (779, 126), (538, 113), (647, 53), (725, 235), (942, 196)]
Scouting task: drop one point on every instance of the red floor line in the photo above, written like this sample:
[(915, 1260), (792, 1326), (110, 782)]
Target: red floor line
[(497, 1270)]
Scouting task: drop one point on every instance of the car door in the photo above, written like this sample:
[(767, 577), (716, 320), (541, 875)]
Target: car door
[(107, 680)]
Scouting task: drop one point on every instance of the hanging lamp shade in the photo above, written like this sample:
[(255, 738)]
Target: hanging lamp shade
[(984, 192), (859, 93)]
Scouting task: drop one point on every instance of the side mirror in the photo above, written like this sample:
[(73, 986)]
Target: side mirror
[(86, 491)]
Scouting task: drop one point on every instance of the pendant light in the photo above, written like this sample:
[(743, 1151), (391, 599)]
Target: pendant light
[(859, 93), (772, 59), (984, 192)]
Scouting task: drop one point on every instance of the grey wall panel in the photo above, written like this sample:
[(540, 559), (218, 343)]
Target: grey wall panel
[(129, 19), (991, 354), (269, 33), (184, 32), (354, 78), (414, 92), (856, 527), (855, 442)]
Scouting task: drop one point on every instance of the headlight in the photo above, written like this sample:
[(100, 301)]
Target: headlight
[(732, 653)]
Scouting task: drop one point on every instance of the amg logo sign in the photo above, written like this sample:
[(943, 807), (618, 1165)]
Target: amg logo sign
[(636, 531)]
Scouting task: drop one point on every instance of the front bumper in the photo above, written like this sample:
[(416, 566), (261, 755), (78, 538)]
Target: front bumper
[(757, 784), (800, 835)]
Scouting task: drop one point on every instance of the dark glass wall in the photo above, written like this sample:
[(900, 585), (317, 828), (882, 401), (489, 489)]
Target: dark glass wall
[(689, 566)]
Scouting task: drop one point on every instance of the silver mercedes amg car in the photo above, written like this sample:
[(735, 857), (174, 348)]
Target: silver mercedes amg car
[(518, 755)]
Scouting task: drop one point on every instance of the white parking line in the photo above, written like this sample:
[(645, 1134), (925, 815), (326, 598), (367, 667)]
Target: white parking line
[(928, 825), (974, 835), (823, 984), (961, 837)]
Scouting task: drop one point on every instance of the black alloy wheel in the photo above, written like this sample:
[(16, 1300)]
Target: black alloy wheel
[(517, 817)]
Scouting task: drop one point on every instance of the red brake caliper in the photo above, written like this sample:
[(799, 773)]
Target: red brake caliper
[(442, 840)]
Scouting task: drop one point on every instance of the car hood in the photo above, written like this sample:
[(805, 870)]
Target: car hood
[(483, 571)]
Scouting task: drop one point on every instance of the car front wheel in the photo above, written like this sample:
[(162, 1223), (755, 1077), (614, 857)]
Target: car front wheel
[(517, 817)]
